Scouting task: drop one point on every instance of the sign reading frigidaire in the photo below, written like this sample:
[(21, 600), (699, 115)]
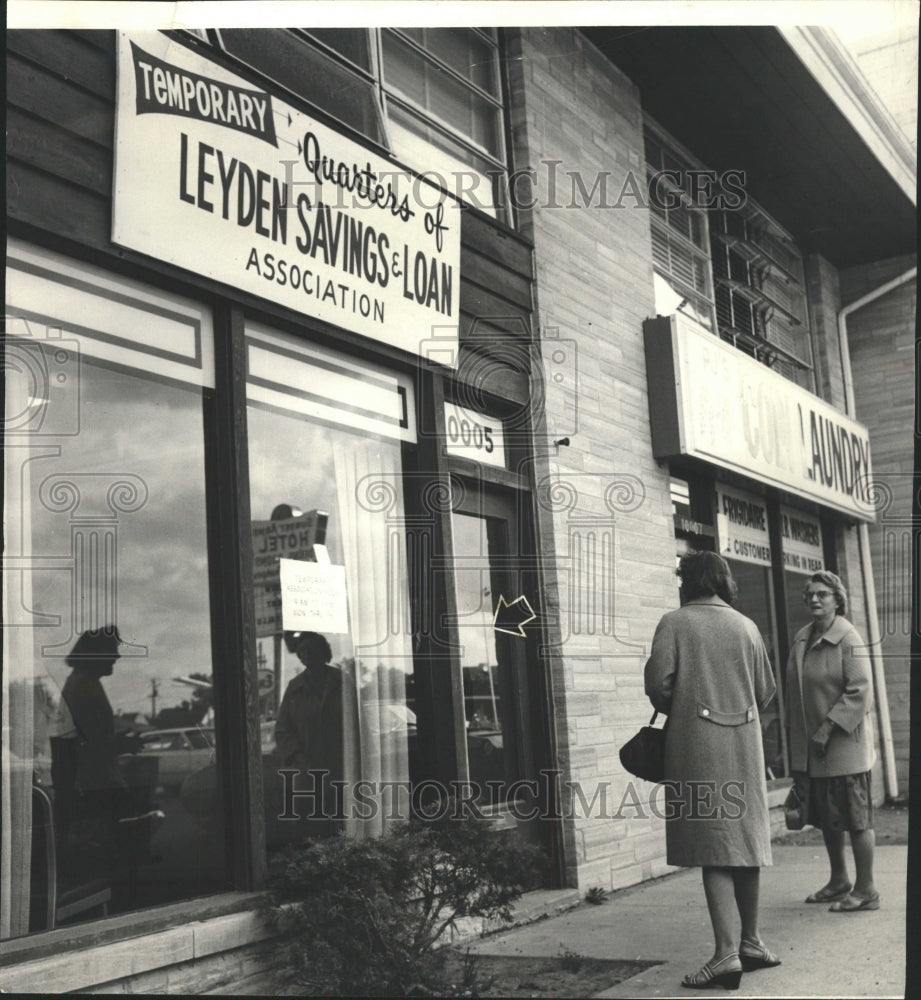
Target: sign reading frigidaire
[(709, 400), (226, 180)]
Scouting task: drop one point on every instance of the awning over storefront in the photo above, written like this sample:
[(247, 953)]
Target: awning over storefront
[(791, 109), (710, 401)]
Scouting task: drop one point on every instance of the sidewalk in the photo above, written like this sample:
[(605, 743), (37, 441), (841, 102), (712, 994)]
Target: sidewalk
[(824, 954)]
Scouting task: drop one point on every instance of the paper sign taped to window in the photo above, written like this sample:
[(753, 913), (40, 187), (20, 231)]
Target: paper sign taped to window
[(313, 597)]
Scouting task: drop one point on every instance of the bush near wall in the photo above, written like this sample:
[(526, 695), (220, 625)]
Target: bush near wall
[(367, 917)]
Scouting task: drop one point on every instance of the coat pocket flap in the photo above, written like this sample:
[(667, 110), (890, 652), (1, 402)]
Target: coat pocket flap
[(705, 711)]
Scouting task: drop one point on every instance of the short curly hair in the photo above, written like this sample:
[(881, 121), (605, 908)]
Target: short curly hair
[(296, 641), (833, 581)]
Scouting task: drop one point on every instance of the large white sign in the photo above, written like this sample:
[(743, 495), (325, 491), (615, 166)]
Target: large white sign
[(742, 526), (802, 541), (735, 412), (226, 180)]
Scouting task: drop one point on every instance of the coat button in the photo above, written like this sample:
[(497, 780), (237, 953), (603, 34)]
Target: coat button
[(751, 715), (706, 711)]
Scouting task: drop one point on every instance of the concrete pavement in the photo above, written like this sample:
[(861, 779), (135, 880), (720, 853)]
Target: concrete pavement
[(824, 954)]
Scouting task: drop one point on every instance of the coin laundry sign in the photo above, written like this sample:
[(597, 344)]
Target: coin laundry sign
[(225, 180), (709, 400)]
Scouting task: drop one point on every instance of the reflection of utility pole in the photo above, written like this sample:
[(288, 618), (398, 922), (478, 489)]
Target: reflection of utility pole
[(492, 696), (154, 691)]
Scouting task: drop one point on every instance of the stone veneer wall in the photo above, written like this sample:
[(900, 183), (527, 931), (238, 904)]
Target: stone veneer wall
[(824, 284), (603, 505), (881, 336)]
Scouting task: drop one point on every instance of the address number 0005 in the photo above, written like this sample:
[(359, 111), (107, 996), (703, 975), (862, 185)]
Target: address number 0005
[(469, 434)]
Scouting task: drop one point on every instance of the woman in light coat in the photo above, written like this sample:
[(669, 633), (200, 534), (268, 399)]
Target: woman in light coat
[(829, 698), (709, 672)]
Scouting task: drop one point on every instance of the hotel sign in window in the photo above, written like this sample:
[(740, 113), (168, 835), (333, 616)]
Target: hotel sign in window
[(108, 713)]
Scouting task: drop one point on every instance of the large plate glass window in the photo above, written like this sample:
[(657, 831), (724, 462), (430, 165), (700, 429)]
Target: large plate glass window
[(803, 555), (107, 660), (326, 438)]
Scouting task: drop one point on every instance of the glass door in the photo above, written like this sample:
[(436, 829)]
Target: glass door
[(495, 625)]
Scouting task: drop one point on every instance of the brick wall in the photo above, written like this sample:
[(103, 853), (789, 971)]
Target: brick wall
[(882, 347), (604, 512), (829, 291), (824, 303)]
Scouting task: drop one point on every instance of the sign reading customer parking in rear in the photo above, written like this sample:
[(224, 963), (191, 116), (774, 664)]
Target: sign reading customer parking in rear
[(223, 179)]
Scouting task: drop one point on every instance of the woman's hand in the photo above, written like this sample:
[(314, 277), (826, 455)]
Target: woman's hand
[(820, 738)]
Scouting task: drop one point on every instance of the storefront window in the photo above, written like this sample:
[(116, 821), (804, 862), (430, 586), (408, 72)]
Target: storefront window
[(325, 445), (756, 601), (801, 534), (744, 539), (107, 665)]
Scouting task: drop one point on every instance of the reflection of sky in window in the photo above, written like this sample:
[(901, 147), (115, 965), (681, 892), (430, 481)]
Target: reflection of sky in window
[(291, 461), (153, 430)]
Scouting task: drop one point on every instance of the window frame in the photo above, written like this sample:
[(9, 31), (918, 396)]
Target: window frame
[(658, 220), (498, 173), (384, 95)]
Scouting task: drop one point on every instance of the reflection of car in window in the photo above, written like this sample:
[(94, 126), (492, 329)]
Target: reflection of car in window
[(180, 752), (383, 717)]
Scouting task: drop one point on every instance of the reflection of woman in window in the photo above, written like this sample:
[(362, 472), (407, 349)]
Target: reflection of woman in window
[(85, 774), (318, 712)]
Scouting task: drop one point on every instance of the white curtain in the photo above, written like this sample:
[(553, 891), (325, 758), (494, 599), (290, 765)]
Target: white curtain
[(16, 763), (373, 542)]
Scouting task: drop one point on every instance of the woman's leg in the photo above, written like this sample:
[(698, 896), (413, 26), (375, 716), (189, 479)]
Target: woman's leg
[(747, 883), (862, 844), (834, 845), (719, 888)]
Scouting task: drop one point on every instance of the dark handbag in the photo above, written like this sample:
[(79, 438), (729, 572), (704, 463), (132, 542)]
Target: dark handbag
[(796, 805), (644, 755)]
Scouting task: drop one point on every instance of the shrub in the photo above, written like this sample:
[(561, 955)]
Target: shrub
[(366, 917), (570, 961)]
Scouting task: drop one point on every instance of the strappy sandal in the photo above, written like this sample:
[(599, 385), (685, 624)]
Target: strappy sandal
[(708, 977), (851, 904), (757, 957), (826, 895)]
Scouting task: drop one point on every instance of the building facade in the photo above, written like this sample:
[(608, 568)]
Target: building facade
[(444, 344)]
